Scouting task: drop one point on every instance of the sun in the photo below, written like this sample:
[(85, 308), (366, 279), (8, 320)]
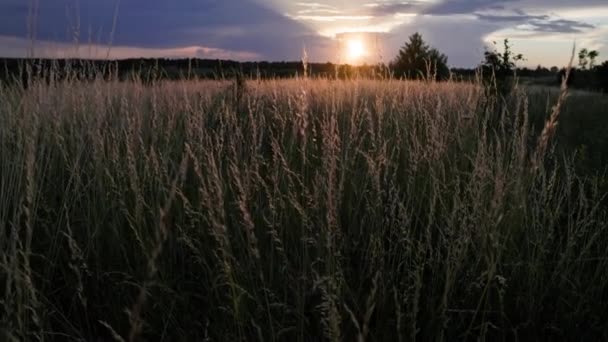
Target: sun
[(355, 49)]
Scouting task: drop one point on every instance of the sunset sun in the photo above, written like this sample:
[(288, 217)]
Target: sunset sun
[(355, 49)]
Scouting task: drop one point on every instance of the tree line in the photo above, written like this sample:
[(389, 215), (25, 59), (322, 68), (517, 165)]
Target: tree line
[(415, 60)]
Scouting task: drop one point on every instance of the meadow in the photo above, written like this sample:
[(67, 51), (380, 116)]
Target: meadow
[(301, 210)]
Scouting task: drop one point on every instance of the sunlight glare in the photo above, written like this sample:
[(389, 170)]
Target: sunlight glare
[(355, 49)]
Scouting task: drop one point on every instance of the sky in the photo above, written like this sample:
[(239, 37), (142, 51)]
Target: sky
[(543, 30)]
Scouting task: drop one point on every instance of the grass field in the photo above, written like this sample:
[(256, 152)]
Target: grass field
[(301, 210)]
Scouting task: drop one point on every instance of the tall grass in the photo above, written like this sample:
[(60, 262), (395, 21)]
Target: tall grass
[(299, 210)]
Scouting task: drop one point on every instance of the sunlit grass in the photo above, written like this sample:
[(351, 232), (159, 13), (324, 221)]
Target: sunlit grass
[(298, 210)]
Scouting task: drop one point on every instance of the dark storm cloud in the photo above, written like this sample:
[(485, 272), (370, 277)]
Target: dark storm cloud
[(231, 25)]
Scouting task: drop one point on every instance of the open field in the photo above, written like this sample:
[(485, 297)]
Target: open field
[(301, 210)]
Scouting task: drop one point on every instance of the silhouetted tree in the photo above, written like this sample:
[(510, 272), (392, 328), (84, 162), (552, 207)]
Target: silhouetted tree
[(498, 67), (501, 64), (587, 58), (582, 58), (541, 70), (593, 54), (417, 60)]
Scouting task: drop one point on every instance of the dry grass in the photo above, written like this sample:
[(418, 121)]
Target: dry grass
[(296, 210)]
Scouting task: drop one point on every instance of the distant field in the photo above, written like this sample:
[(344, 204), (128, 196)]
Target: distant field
[(301, 210)]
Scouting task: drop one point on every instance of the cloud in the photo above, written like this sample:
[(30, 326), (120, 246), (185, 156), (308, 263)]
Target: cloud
[(449, 7), (390, 8), (19, 47), (315, 5), (560, 26), (242, 25), (279, 29), (510, 18), (332, 18), (537, 23)]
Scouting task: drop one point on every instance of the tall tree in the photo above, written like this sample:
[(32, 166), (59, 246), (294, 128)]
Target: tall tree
[(593, 54), (416, 60), (583, 58)]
